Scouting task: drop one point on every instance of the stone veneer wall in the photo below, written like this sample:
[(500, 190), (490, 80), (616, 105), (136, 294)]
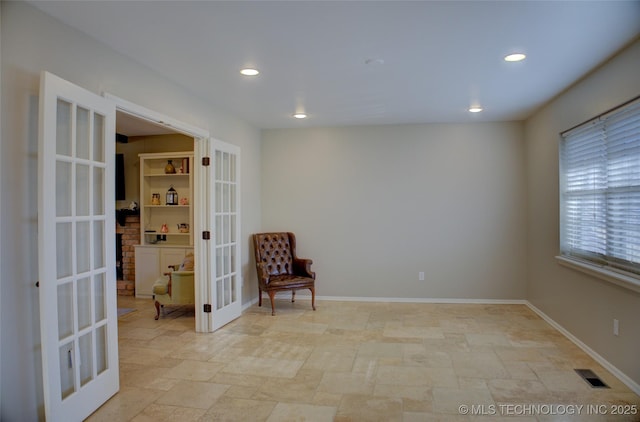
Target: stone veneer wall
[(130, 238)]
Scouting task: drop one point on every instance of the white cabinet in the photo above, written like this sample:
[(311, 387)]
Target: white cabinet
[(147, 270), (152, 261), (163, 247), (161, 221)]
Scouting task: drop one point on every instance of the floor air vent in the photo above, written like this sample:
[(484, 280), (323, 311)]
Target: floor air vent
[(589, 376)]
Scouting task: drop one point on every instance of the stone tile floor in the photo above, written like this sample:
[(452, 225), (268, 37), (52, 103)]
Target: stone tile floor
[(357, 361)]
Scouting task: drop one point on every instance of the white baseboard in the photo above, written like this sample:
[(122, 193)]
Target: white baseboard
[(249, 304), (634, 386), (413, 300)]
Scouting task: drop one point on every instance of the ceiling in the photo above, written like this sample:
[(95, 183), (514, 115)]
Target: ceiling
[(363, 62), (129, 125)]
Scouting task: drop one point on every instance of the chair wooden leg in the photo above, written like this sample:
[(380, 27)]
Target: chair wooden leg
[(157, 310), (313, 297), (259, 297), (272, 295), (293, 296)]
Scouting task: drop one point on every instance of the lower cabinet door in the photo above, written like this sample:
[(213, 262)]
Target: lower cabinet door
[(171, 256), (152, 262), (147, 270)]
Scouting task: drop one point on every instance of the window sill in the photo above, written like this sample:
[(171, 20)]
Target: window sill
[(617, 278)]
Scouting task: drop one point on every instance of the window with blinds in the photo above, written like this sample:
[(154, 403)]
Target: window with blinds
[(600, 190)]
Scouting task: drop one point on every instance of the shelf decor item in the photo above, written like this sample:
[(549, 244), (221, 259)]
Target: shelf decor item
[(165, 199), (169, 168), (172, 196)]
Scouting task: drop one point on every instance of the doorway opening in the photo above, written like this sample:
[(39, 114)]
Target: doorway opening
[(136, 136), (215, 232)]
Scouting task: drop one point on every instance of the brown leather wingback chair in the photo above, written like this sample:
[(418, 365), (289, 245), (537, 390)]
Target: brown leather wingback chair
[(280, 269)]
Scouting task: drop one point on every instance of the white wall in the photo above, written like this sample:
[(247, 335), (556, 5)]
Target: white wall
[(1, 179), (375, 205), (584, 305), (32, 42)]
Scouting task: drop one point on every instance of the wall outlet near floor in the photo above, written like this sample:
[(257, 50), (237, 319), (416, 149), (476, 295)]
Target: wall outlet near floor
[(421, 276), (616, 327)]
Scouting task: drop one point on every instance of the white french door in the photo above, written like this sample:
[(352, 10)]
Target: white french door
[(226, 278), (76, 252)]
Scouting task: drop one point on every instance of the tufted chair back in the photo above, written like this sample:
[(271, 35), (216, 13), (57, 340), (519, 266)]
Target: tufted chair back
[(274, 249)]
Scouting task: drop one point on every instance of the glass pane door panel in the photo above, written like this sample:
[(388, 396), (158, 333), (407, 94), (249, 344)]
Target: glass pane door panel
[(98, 191), (227, 291), (232, 259), (85, 363), (218, 262), (83, 190), (64, 189), (224, 261), (219, 292), (101, 349), (225, 166), (232, 198), (66, 370), (98, 138), (83, 131), (83, 250), (63, 251), (218, 197), (226, 237), (84, 302), (64, 128), (65, 310), (219, 229), (98, 245), (233, 289), (226, 197), (232, 228), (100, 296), (232, 170), (218, 165)]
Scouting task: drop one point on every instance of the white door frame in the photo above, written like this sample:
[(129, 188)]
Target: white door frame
[(200, 189)]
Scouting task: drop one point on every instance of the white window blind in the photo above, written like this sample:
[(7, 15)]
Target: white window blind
[(600, 190)]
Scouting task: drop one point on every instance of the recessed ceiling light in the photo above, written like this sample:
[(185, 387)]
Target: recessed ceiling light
[(515, 57), (475, 109), (249, 71), (300, 115)]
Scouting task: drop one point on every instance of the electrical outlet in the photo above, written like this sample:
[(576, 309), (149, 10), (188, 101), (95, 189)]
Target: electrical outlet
[(421, 276), (616, 327)]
